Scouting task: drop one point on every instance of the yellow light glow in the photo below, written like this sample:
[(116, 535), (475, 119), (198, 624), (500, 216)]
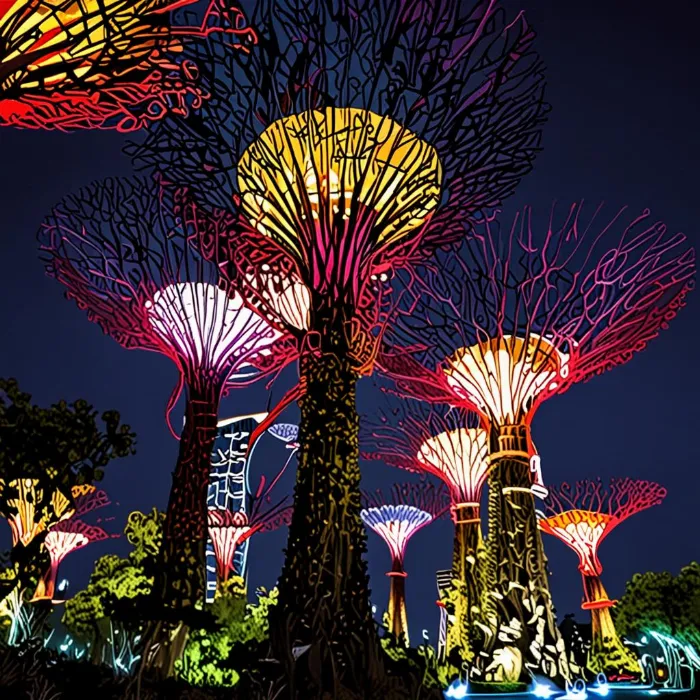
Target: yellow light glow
[(505, 375), (461, 456), (309, 171)]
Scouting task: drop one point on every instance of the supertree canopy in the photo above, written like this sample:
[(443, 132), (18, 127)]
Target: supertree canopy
[(396, 518), (71, 533), (115, 246), (30, 508), (510, 320), (582, 516), (228, 530), (340, 151), (448, 443), (71, 64)]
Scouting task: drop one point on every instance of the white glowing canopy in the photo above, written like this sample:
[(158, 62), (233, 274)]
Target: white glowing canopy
[(395, 525), (207, 327), (505, 376), (460, 458), (286, 295), (60, 543)]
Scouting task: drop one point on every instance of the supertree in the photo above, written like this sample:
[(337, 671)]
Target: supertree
[(582, 516), (70, 534), (116, 247), (448, 443), (31, 507), (73, 64), (506, 322), (396, 518), (229, 530), (352, 138)]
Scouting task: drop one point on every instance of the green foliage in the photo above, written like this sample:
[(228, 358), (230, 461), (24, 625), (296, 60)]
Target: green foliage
[(53, 449), (64, 442), (211, 655), (611, 656), (663, 603), (497, 687), (118, 591)]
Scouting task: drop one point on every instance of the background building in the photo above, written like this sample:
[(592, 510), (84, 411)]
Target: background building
[(228, 483)]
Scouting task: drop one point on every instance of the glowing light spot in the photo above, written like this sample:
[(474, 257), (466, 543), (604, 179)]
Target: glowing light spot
[(211, 329), (543, 690)]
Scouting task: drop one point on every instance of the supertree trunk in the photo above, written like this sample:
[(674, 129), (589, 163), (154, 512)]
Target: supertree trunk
[(47, 584), (185, 531), (466, 587), (324, 594), (181, 578), (519, 563), (608, 654), (398, 619)]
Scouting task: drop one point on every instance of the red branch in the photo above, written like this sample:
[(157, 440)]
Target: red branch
[(119, 64)]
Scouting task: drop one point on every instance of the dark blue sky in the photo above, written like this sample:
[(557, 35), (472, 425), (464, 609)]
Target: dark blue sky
[(624, 129)]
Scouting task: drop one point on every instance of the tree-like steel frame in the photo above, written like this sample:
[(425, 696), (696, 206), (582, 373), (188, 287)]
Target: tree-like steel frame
[(511, 319), (396, 518), (120, 250), (458, 84), (582, 515), (450, 444)]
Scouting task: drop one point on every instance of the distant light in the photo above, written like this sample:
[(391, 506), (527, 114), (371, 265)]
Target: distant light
[(541, 690), (374, 609), (456, 691), (63, 585)]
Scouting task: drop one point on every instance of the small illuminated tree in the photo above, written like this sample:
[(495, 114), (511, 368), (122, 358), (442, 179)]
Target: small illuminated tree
[(510, 320), (116, 247), (70, 534), (30, 508), (228, 530), (582, 516), (449, 444), (72, 64), (353, 139), (396, 519)]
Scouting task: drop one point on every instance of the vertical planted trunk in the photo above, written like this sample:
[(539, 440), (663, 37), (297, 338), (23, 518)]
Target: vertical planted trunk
[(398, 619), (181, 577), (608, 654), (466, 589), (324, 591), (524, 611), (185, 531), (46, 588)]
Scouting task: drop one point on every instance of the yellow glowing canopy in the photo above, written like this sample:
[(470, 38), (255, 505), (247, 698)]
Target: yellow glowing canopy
[(505, 375), (308, 171)]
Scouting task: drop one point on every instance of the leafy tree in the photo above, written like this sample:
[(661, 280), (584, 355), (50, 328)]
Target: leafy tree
[(117, 594), (44, 453), (661, 602), (64, 442), (214, 657)]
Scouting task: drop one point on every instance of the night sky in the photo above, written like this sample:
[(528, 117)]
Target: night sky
[(624, 128)]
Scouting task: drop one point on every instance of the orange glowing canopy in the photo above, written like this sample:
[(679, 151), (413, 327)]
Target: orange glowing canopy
[(504, 376), (308, 172), (582, 531)]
